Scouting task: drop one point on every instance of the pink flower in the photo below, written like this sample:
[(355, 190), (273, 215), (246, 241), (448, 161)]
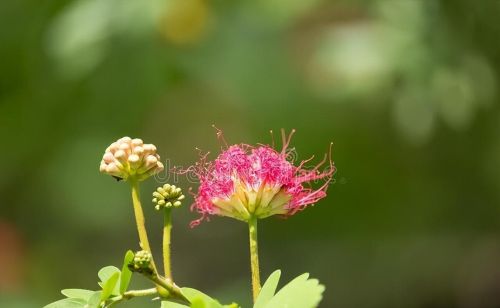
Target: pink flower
[(247, 181)]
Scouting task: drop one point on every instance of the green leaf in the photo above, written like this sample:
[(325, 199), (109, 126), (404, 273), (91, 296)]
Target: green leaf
[(68, 303), (268, 290), (197, 298), (78, 293), (198, 302), (109, 286), (168, 304), (105, 273), (95, 300), (126, 274), (299, 293)]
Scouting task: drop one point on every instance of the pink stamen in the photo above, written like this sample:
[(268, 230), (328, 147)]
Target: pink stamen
[(220, 135), (253, 168)]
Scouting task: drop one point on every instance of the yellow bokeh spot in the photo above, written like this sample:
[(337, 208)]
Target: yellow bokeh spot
[(185, 21)]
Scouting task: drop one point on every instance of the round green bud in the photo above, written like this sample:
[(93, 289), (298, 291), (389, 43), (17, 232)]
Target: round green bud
[(142, 262), (167, 196)]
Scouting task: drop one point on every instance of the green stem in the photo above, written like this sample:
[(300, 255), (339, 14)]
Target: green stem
[(131, 294), (167, 228), (139, 218), (254, 257), (173, 290)]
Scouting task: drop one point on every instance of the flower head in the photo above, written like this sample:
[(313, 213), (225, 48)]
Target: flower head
[(167, 196), (128, 157), (142, 262), (247, 181)]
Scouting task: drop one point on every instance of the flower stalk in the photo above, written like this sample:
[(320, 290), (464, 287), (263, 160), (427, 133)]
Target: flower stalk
[(165, 198), (254, 257), (131, 294), (139, 218), (167, 229), (143, 235), (174, 291)]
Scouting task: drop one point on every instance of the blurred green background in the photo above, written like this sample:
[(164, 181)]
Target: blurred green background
[(406, 89)]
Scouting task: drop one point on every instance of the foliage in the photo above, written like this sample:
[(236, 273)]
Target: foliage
[(301, 292)]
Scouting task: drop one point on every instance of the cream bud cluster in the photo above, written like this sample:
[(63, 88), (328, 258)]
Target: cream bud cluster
[(129, 157)]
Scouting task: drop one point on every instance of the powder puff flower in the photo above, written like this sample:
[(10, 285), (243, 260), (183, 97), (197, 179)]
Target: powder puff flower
[(246, 182), (128, 157)]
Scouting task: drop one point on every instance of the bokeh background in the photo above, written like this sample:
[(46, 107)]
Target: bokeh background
[(406, 89)]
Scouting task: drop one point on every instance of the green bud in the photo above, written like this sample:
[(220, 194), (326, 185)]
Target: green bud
[(167, 196), (158, 195), (142, 262)]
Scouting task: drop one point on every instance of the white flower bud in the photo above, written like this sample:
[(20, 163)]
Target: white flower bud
[(108, 157), (137, 142), (138, 150), (128, 157)]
